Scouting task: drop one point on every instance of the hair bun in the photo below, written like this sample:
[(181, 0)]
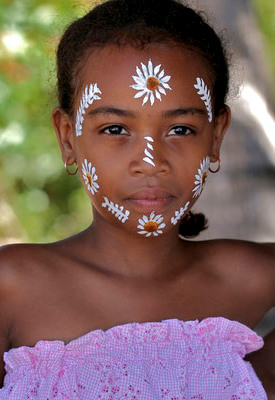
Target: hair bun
[(193, 224)]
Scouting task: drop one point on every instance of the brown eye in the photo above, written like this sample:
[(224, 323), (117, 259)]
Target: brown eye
[(114, 130), (180, 130)]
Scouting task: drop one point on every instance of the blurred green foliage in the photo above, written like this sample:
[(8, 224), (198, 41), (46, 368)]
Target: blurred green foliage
[(265, 13), (39, 201)]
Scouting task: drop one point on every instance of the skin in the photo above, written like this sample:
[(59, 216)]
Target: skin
[(109, 275)]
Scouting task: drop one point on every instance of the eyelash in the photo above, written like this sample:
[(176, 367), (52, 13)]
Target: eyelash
[(181, 127), (119, 130)]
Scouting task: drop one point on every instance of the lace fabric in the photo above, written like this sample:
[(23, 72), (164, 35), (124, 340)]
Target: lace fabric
[(170, 360)]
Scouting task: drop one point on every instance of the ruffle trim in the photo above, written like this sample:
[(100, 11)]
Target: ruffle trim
[(211, 333)]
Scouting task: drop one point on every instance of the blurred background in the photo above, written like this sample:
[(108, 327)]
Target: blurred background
[(39, 202)]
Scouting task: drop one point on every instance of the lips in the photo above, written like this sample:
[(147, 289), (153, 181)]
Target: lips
[(150, 199)]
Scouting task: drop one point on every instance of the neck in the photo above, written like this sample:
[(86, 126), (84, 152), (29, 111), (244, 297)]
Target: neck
[(116, 251)]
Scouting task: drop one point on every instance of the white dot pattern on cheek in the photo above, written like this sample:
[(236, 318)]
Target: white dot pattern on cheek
[(179, 214), (149, 158), (119, 212), (89, 94), (205, 96), (150, 82), (201, 176)]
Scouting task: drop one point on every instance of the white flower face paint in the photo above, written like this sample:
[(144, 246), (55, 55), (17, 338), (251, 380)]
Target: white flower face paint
[(205, 96), (149, 158), (201, 176), (119, 212), (150, 82), (179, 214), (90, 177), (88, 97), (151, 226)]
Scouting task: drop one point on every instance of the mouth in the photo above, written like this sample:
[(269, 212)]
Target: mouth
[(150, 199)]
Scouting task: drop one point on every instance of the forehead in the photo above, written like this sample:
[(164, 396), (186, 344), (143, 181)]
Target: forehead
[(113, 68)]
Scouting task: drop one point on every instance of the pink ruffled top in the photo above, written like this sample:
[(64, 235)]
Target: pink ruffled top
[(167, 360)]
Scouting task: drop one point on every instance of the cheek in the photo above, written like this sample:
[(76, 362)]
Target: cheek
[(89, 177), (200, 176)]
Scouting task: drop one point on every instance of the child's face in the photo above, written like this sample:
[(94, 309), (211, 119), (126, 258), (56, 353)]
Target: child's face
[(144, 143)]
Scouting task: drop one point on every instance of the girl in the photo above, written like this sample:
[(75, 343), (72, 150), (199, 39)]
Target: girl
[(127, 309)]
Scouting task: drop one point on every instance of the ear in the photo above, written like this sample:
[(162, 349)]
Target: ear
[(65, 134), (221, 123)]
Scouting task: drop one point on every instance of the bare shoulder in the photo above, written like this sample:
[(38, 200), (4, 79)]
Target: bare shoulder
[(250, 265), (17, 259)]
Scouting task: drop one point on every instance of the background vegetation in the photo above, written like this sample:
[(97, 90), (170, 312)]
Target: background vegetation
[(265, 15), (38, 201)]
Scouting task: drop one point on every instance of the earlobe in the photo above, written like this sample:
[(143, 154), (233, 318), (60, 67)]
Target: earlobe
[(221, 124), (64, 132)]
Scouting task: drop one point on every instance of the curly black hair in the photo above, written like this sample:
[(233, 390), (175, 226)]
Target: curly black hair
[(139, 23)]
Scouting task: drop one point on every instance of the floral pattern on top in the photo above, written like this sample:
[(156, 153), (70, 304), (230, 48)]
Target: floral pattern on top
[(201, 176), (151, 225), (170, 360), (90, 177), (150, 82)]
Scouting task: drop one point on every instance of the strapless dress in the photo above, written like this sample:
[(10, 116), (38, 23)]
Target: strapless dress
[(167, 360)]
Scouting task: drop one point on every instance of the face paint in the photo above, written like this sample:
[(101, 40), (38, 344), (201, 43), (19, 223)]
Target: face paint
[(179, 214), (115, 209), (206, 97), (149, 157), (151, 226), (90, 177), (201, 176), (88, 97), (150, 82)]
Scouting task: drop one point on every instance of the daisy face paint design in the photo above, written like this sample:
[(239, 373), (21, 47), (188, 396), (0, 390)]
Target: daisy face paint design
[(149, 158), (179, 214), (89, 94), (151, 225), (150, 82), (117, 210), (201, 176), (90, 177), (204, 92)]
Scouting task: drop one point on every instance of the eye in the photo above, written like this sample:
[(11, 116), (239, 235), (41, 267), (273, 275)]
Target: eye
[(114, 130), (180, 130)]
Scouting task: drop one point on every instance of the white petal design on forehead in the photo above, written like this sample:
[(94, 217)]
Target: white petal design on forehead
[(201, 176), (204, 92), (150, 83), (89, 94)]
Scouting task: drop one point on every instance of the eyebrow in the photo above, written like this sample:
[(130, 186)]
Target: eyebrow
[(184, 111), (112, 111), (166, 114)]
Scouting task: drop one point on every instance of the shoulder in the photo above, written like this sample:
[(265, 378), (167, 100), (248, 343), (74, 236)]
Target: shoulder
[(235, 251), (15, 259), (248, 265)]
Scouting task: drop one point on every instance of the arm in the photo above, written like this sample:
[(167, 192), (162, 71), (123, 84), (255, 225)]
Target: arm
[(263, 362), (8, 290)]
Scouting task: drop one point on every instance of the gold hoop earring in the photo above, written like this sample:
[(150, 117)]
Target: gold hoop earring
[(216, 170), (67, 169)]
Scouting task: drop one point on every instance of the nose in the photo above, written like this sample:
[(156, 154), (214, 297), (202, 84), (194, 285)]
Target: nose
[(150, 159)]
